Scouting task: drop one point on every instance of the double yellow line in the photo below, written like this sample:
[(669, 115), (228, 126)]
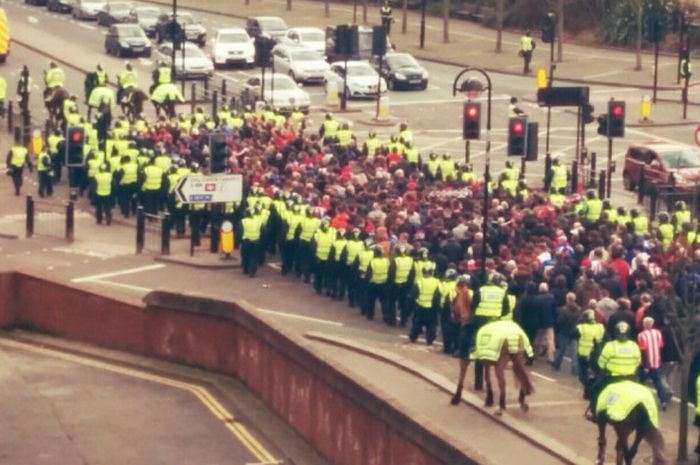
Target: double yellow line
[(214, 406)]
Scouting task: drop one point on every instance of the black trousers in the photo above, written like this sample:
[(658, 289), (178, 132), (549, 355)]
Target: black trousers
[(321, 270), (527, 57), (399, 296), (304, 260), (56, 165), (289, 248), (16, 174), (249, 257), (45, 183), (449, 329), (353, 282), (424, 318), (103, 208), (127, 203), (377, 292), (150, 201)]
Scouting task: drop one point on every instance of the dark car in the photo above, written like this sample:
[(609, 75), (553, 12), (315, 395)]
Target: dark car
[(271, 27), (113, 13), (36, 2), (662, 163), (194, 31), (60, 6), (401, 71), (127, 39), (146, 17)]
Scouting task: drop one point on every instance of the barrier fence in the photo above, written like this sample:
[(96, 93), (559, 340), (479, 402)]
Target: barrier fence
[(50, 218), (153, 232)]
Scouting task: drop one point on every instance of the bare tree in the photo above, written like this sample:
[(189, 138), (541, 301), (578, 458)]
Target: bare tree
[(364, 11), (640, 13), (445, 20), (560, 31), (289, 5), (327, 8), (499, 25)]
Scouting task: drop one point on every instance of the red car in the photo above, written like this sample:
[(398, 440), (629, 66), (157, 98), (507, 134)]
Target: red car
[(662, 163)]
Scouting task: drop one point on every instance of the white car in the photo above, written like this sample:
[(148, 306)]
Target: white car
[(299, 63), (311, 37), (284, 94), (232, 46), (195, 65), (362, 79), (87, 9)]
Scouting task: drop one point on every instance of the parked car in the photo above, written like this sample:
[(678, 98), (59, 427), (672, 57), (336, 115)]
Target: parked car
[(127, 39), (195, 64), (36, 2), (272, 27), (662, 163), (232, 46), (146, 17), (284, 95), (194, 31), (299, 63), (311, 37), (362, 79), (86, 9), (60, 6), (114, 12), (361, 42), (402, 71)]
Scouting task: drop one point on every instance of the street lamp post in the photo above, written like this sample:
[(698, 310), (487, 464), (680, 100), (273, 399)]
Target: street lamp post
[(422, 23)]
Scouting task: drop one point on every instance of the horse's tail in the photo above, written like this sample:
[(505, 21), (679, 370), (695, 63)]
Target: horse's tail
[(522, 375), (656, 440)]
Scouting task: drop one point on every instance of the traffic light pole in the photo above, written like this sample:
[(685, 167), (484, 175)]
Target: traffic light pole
[(550, 83), (466, 151), (609, 171), (656, 69), (686, 77)]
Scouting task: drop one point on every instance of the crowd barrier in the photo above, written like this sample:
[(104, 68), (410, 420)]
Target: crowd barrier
[(50, 218)]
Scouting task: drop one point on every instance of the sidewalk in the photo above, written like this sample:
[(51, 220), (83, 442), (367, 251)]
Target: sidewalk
[(470, 44)]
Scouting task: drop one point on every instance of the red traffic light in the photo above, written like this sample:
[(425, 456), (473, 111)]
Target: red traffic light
[(471, 112), (517, 127), (76, 137), (618, 111)]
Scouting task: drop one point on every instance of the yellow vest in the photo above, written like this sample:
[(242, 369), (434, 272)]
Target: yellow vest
[(154, 178), (43, 162), (403, 266), (353, 247), (103, 181), (293, 221), (641, 224), (620, 358), (618, 400), (129, 173), (427, 287), (19, 156), (559, 176), (595, 206), (309, 225), (682, 217), (365, 257), (490, 301), (667, 233), (380, 270), (251, 228), (324, 241), (526, 43), (344, 137), (448, 291), (330, 127), (589, 333), (491, 337), (372, 145)]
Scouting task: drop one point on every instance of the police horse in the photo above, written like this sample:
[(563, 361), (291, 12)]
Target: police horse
[(131, 102), (54, 105), (167, 107), (639, 416), (497, 343)]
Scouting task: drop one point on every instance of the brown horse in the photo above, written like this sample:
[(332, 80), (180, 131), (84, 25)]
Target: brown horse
[(638, 420), (54, 105), (131, 102), (497, 343)]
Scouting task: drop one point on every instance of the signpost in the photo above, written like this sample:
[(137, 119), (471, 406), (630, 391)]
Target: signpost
[(217, 188)]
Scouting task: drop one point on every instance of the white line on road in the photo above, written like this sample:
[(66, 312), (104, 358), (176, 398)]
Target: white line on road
[(87, 26), (546, 378), (121, 285), (97, 277), (32, 19), (299, 317), (597, 75)]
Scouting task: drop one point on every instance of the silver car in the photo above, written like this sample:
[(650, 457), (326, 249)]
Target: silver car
[(299, 62), (283, 94), (194, 65), (87, 9)]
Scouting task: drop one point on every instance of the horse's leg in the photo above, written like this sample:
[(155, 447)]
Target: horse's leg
[(601, 443), (463, 365), (623, 430), (654, 438), (501, 377), (489, 388)]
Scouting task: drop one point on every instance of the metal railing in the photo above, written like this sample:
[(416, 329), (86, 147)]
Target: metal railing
[(153, 232), (50, 218)]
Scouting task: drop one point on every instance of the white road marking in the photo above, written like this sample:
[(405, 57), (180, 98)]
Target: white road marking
[(440, 143), (299, 317), (87, 26), (146, 62), (546, 378), (32, 20), (98, 277), (276, 266), (121, 285), (597, 75)]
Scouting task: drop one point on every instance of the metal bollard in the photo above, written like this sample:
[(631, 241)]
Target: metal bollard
[(193, 93), (547, 169), (593, 159), (140, 229), (166, 225), (10, 116), (574, 176), (206, 89), (601, 184), (26, 127), (214, 105), (653, 198), (70, 222), (523, 164), (214, 237), (30, 217), (223, 87)]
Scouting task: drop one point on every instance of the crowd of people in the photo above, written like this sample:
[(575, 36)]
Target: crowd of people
[(378, 223)]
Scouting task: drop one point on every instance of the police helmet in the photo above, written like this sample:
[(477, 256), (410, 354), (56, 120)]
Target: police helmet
[(509, 164), (606, 204), (621, 210), (497, 279), (195, 166), (680, 205), (663, 217), (378, 250), (372, 134), (356, 233), (450, 274), (589, 315), (463, 280), (446, 156), (622, 329), (340, 233), (590, 194), (634, 212), (401, 250), (428, 269), (369, 242), (423, 253)]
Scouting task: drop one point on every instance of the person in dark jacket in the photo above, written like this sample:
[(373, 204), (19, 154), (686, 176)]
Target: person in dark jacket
[(526, 313), (547, 309), (568, 317), (623, 313)]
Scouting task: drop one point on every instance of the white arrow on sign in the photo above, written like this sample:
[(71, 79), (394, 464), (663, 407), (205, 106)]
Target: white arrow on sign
[(216, 188)]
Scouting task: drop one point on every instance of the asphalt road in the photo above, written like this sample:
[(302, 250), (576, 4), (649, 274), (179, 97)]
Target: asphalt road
[(434, 114)]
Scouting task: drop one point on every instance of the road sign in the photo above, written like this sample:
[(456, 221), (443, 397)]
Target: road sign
[(210, 189)]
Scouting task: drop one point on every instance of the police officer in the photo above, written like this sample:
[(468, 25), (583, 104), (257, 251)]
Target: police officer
[(593, 206), (24, 88), (589, 333), (363, 259), (490, 303), (640, 222), (55, 146), (151, 181), (558, 175), (252, 227), (351, 278), (336, 269), (45, 171), (386, 15), (447, 167), (378, 288), (513, 109), (322, 242), (426, 294), (329, 129), (344, 136), (681, 215), (305, 253), (126, 178), (100, 76), (127, 80), (3, 96), (54, 77), (620, 358), (401, 277), (449, 328), (432, 167), (17, 159), (103, 194), (405, 134), (527, 45), (291, 232), (666, 231), (161, 75), (371, 145)]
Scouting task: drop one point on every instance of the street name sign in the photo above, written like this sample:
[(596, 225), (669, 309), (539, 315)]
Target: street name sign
[(216, 188)]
